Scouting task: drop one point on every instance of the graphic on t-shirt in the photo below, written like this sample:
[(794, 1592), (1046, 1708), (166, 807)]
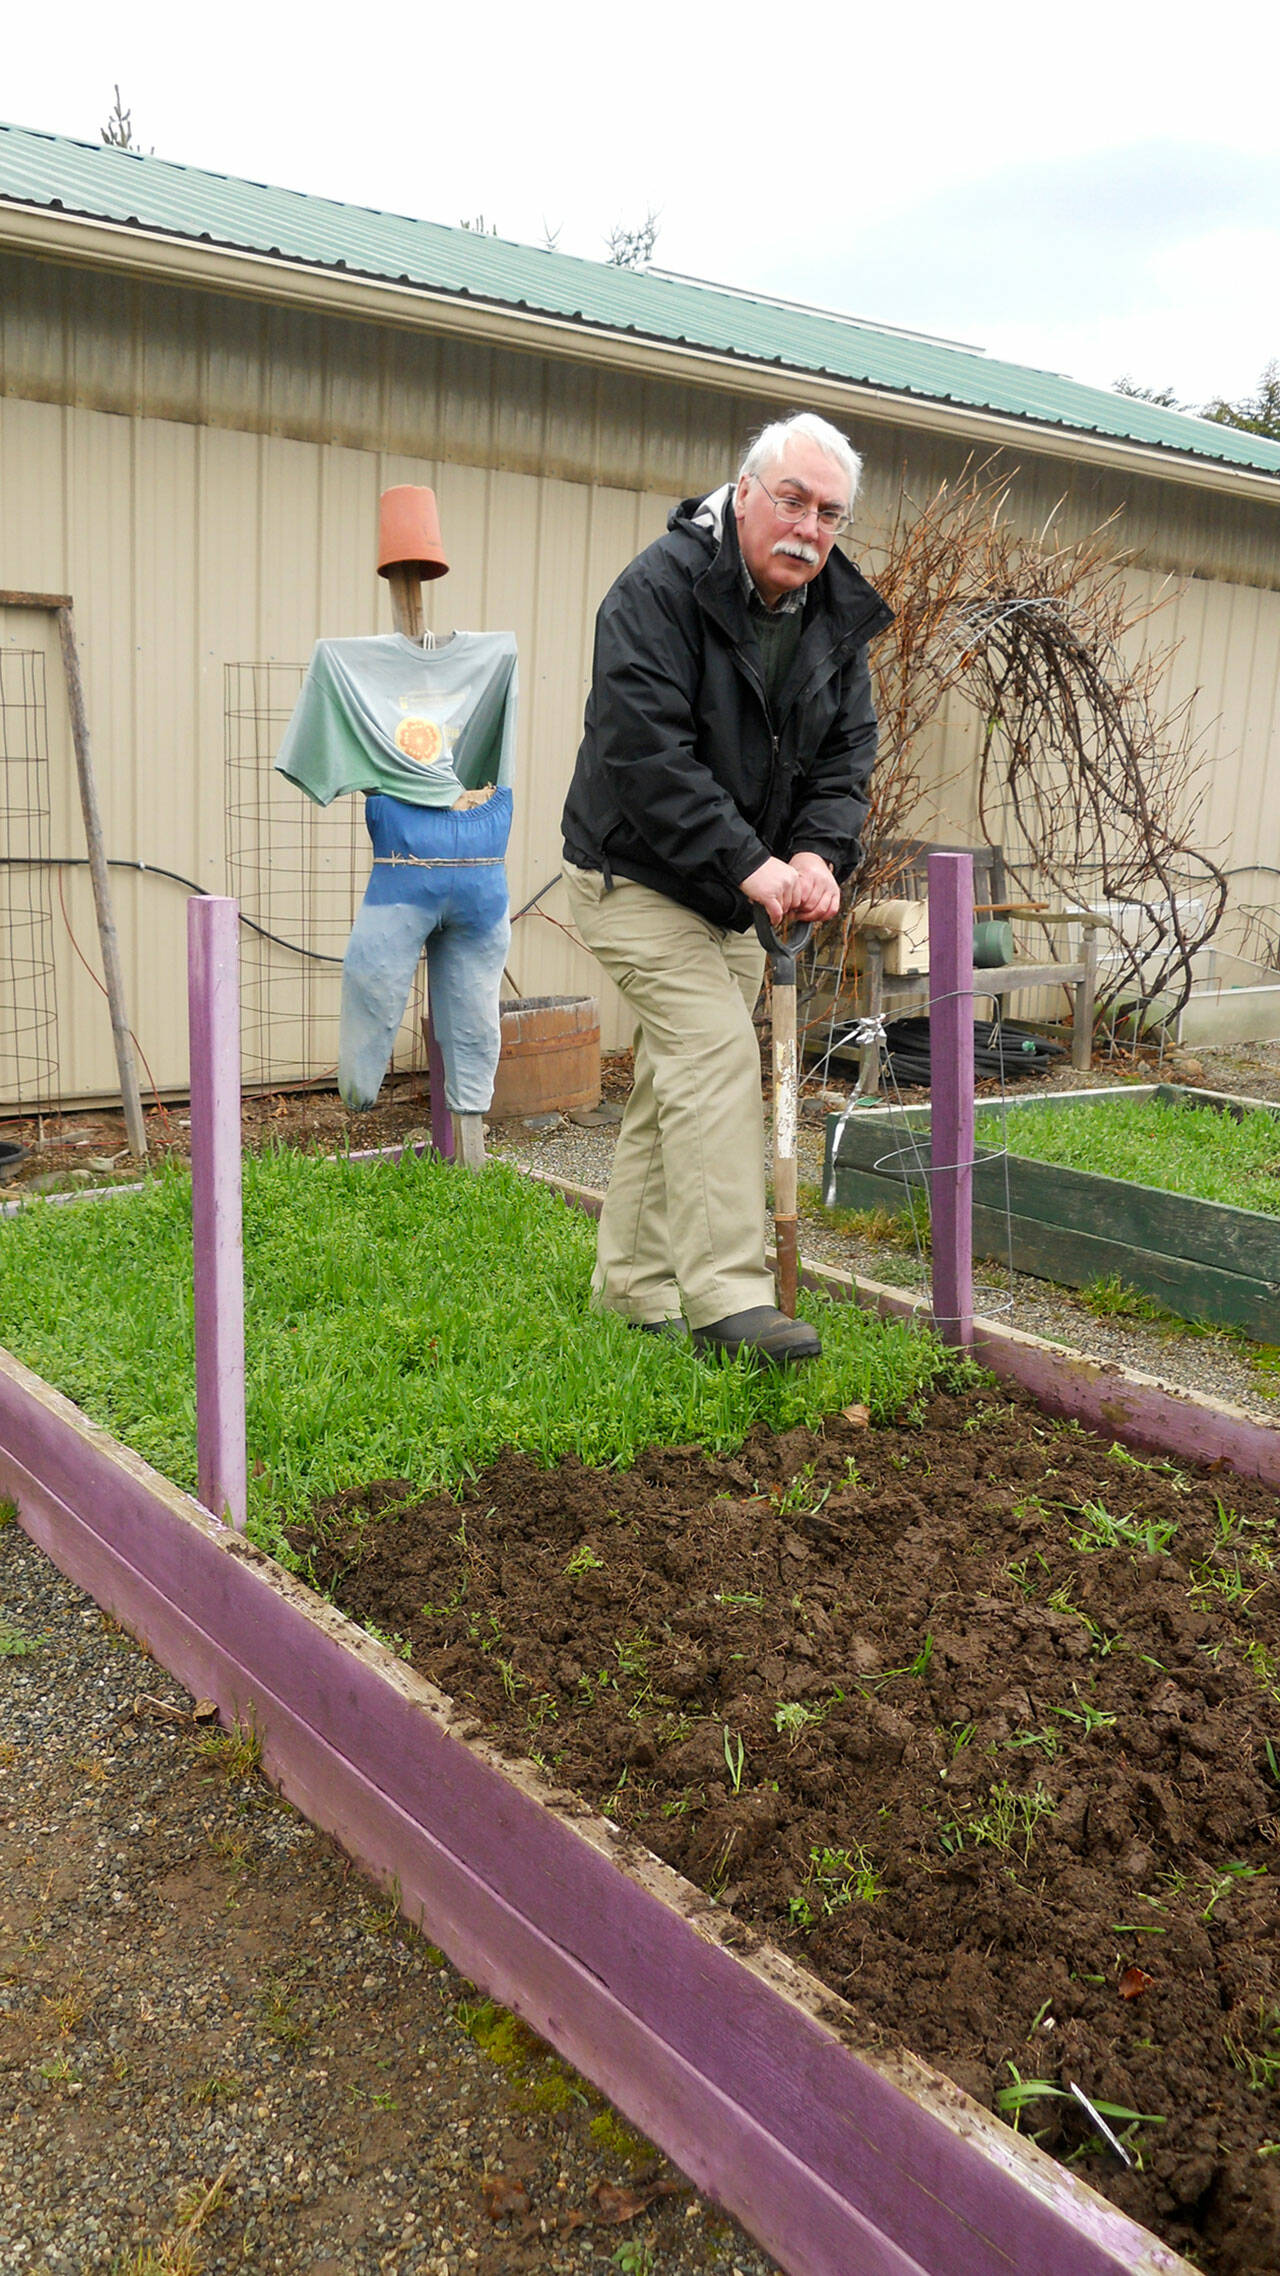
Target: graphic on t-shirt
[(420, 739), (424, 736)]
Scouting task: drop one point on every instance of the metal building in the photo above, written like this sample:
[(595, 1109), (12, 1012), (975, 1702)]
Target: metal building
[(205, 385)]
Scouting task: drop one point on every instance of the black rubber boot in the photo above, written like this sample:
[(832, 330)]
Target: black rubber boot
[(766, 1333)]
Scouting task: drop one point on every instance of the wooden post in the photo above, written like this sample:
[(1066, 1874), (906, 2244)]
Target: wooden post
[(951, 1117), (405, 588), (213, 998), (1085, 1004), (107, 941), (869, 1063)]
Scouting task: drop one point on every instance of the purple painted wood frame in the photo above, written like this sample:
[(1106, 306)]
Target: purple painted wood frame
[(213, 1005), (441, 1119), (951, 1092), (738, 2065)]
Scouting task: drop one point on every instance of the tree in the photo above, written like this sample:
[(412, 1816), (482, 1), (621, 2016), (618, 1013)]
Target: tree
[(633, 248), (1164, 396), (118, 132), (1258, 414)]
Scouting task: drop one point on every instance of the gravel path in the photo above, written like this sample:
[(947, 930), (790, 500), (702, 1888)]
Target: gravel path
[(220, 2049)]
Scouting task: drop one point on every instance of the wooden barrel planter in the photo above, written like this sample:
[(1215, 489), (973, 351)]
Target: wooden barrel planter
[(550, 1056)]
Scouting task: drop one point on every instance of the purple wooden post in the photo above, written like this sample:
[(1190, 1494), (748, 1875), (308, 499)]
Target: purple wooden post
[(213, 1009), (441, 1119), (951, 1092)]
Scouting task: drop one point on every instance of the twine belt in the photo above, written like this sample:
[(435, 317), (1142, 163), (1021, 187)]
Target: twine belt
[(442, 861)]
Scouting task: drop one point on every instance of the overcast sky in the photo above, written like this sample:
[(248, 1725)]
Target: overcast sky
[(1094, 191)]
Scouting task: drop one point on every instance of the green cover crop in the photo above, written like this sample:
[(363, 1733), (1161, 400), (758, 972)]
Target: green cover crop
[(402, 1320), (1179, 1148)]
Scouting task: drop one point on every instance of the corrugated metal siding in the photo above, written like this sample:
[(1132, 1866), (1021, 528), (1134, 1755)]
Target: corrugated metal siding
[(146, 350), (201, 538)]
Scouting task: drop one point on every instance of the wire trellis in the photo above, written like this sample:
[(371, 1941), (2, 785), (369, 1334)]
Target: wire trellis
[(28, 994), (298, 872), (911, 1162)]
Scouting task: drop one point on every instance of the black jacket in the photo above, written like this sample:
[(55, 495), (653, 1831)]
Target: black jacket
[(684, 781)]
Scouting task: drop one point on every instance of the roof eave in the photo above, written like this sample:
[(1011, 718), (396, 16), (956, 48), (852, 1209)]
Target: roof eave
[(172, 259)]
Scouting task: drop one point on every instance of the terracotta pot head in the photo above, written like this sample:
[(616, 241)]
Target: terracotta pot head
[(409, 532)]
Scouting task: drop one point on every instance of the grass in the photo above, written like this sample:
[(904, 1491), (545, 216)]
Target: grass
[(1097, 1530), (178, 2252), (1260, 2065), (402, 1320), (906, 1228), (834, 1878), (1014, 2100), (1179, 1148), (278, 2014), (1007, 1822), (236, 1752)]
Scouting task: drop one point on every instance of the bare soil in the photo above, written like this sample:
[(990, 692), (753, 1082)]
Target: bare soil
[(889, 1697)]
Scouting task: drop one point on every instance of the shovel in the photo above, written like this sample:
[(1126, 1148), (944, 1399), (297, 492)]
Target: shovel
[(782, 956)]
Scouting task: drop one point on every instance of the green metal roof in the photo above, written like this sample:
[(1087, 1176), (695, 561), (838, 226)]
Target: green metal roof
[(97, 181)]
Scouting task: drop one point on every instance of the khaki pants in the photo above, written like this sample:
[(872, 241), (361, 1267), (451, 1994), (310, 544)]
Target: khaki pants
[(682, 1227)]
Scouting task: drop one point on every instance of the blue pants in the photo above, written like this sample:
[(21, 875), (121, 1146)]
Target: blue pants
[(437, 880)]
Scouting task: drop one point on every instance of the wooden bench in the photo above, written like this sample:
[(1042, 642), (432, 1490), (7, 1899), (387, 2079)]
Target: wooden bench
[(883, 995)]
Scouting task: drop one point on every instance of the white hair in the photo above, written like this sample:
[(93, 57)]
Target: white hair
[(770, 447)]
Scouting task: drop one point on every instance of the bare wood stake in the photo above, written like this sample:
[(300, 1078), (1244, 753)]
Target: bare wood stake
[(784, 1144), (405, 587), (468, 1141), (107, 940)]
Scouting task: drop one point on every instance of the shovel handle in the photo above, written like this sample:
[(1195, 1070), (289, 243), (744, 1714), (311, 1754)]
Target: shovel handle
[(782, 966), (797, 939)]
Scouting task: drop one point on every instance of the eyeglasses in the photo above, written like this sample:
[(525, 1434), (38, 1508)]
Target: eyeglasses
[(834, 520)]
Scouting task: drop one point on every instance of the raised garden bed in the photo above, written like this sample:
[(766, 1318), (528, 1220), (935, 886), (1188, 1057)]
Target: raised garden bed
[(971, 1717), (738, 2064), (1202, 1259)]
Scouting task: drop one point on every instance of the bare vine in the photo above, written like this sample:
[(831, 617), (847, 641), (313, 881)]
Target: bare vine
[(1087, 778)]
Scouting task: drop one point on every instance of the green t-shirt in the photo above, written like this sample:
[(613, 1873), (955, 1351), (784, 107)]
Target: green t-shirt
[(423, 724)]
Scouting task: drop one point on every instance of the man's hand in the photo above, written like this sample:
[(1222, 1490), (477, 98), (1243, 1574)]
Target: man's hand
[(776, 886), (818, 895)]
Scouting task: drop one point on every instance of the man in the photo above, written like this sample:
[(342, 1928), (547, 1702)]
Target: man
[(728, 742)]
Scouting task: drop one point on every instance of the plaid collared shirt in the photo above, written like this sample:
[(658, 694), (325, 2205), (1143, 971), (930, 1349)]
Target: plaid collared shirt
[(787, 606)]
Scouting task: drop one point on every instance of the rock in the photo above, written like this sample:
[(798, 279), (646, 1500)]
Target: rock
[(593, 1117)]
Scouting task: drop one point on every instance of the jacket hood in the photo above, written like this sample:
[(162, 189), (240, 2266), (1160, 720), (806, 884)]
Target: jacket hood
[(706, 515)]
